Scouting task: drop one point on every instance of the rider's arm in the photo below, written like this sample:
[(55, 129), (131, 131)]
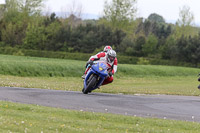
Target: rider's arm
[(97, 56), (114, 66)]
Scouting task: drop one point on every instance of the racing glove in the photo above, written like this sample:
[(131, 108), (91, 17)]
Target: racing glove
[(89, 63)]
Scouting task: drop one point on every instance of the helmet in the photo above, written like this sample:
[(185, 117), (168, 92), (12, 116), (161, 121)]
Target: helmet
[(106, 48), (111, 55)]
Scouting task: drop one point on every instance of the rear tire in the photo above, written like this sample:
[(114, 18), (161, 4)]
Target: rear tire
[(90, 85)]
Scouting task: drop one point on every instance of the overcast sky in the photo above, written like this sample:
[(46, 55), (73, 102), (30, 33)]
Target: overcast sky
[(169, 9)]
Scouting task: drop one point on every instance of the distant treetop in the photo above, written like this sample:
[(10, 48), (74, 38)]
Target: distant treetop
[(156, 18)]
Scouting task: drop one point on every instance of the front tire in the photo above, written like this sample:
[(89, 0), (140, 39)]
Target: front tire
[(90, 85)]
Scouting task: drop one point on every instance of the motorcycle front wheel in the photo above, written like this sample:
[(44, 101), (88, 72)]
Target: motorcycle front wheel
[(90, 85)]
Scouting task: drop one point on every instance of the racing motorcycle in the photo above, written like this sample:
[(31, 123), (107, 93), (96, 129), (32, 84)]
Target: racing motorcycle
[(95, 76)]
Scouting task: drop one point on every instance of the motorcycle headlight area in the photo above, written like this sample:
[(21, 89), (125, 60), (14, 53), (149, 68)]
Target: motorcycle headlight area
[(101, 69)]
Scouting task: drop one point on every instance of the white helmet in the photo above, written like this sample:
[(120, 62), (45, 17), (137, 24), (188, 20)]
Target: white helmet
[(111, 55), (106, 48)]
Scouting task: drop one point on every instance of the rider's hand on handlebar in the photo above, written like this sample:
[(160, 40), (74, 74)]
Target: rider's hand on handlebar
[(89, 63)]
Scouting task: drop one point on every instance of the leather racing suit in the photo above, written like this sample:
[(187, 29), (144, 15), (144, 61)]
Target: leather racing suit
[(102, 56)]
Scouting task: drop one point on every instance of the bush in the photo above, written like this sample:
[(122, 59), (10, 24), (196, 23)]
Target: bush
[(127, 59), (143, 61)]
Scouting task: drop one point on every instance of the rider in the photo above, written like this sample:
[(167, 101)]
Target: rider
[(106, 48), (108, 56)]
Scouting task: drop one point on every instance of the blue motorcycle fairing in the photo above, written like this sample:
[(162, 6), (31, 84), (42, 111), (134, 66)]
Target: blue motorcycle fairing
[(99, 69)]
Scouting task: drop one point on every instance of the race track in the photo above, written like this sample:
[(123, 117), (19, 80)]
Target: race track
[(157, 106)]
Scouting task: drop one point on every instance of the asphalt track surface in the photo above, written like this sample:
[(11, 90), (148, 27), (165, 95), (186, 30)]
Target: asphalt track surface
[(185, 108)]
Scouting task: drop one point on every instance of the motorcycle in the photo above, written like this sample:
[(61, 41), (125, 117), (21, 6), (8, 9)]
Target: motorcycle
[(95, 77)]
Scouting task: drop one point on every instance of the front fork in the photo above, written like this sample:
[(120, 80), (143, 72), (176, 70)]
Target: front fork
[(99, 80)]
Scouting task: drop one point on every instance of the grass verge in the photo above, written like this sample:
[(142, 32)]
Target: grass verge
[(32, 118), (45, 67), (126, 85), (61, 74)]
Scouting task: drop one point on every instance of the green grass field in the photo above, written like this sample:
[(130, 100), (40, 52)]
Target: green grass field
[(147, 85), (36, 119), (60, 74), (45, 67)]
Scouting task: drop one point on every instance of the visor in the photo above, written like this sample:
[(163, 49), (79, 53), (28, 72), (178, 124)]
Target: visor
[(111, 59)]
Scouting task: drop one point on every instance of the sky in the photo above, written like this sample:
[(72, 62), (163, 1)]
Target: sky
[(169, 9)]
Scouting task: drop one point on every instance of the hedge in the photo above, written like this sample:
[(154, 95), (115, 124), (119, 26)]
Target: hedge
[(84, 57)]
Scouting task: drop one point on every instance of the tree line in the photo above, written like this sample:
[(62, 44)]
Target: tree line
[(23, 26)]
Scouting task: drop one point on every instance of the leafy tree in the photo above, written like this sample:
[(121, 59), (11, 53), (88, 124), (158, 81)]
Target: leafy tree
[(50, 19), (35, 37), (8, 34), (184, 23), (2, 10), (149, 48), (52, 33), (139, 44), (126, 46), (104, 35), (31, 7), (17, 16), (188, 49), (118, 37), (168, 31), (119, 13), (11, 11), (181, 46), (195, 50), (186, 17), (168, 50), (156, 18), (13, 8)]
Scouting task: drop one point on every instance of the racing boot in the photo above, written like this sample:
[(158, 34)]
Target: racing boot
[(83, 77)]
